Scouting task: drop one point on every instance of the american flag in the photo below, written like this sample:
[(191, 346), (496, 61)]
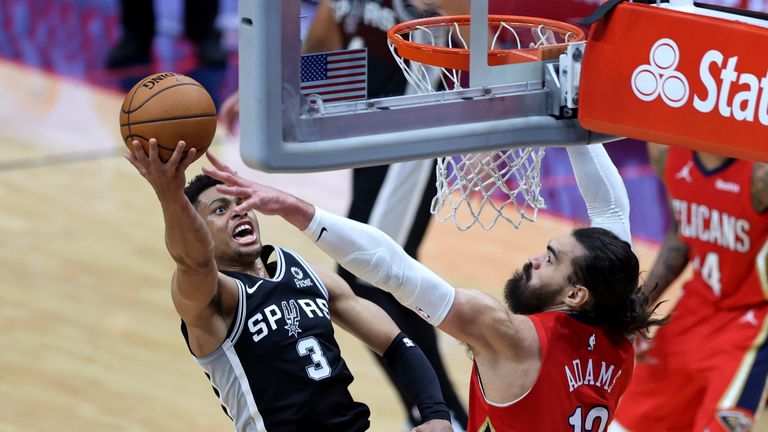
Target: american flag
[(335, 75)]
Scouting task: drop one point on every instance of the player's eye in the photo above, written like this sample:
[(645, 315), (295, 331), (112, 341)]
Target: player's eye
[(220, 210), (549, 258)]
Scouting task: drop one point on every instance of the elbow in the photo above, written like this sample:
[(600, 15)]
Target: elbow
[(199, 258)]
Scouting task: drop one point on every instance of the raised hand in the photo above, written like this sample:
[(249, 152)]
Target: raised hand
[(230, 113), (163, 176), (254, 196)]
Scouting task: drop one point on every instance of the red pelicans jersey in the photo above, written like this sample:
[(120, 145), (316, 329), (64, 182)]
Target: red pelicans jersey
[(725, 235), (584, 372)]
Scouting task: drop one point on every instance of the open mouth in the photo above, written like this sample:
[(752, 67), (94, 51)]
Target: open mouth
[(244, 233)]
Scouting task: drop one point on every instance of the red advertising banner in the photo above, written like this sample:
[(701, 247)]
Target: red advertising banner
[(677, 78)]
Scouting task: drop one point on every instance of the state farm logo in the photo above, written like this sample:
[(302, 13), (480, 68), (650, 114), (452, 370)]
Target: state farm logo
[(660, 77), (731, 93)]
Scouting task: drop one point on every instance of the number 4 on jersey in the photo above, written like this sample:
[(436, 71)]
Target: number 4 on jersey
[(710, 272)]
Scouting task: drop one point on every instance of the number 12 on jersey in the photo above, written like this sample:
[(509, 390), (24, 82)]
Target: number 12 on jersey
[(586, 423)]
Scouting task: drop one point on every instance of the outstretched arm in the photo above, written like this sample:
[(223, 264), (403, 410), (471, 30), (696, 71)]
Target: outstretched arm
[(602, 189), (470, 316), (196, 279), (362, 249)]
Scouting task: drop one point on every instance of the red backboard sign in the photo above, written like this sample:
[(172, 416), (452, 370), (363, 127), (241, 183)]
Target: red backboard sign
[(677, 78)]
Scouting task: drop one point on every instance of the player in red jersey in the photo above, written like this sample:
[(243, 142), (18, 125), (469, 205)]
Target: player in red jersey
[(557, 356), (707, 370)]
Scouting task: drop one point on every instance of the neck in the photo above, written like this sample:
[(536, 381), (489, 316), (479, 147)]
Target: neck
[(255, 268), (710, 160), (559, 308)]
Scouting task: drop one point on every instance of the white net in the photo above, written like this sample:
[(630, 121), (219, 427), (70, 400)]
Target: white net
[(481, 188)]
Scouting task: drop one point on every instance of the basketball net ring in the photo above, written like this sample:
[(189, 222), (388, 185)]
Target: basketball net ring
[(480, 188)]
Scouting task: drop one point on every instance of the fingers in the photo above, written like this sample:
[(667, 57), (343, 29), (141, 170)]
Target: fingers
[(226, 177), (223, 172), (235, 191), (138, 151), (132, 159), (230, 110), (221, 166), (178, 152), (187, 160), (251, 201), (153, 150)]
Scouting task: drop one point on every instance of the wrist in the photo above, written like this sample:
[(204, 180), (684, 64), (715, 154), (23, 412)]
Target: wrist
[(298, 212), (416, 378)]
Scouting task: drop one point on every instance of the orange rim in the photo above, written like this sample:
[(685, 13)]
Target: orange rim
[(458, 58)]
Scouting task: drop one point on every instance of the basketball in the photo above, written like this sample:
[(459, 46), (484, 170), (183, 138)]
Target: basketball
[(169, 107)]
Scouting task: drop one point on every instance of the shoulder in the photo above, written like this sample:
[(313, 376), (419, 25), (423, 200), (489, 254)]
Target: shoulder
[(759, 188), (658, 155), (485, 324), (335, 285)]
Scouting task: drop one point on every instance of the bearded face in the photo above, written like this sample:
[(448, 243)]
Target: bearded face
[(526, 298)]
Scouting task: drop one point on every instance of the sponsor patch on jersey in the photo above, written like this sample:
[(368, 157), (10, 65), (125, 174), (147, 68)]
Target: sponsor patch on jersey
[(727, 186), (735, 420), (297, 273)]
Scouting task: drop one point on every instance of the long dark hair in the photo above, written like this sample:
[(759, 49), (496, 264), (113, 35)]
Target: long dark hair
[(611, 273)]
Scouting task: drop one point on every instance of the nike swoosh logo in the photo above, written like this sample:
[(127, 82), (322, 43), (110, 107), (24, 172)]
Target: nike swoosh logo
[(250, 290), (322, 230)]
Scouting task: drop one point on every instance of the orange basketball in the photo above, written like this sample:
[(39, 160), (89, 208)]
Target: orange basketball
[(169, 107)]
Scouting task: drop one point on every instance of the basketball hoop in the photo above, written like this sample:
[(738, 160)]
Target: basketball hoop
[(480, 188)]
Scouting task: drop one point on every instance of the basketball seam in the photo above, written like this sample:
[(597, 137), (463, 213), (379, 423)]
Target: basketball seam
[(128, 113), (168, 119), (130, 110)]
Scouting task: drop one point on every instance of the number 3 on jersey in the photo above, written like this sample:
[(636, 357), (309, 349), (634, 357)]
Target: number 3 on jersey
[(587, 424), (319, 369), (710, 272)]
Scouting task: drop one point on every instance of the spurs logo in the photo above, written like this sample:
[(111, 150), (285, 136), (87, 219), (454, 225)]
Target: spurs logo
[(291, 315)]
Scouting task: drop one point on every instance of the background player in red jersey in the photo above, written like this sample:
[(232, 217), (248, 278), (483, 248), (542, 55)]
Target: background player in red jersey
[(262, 330), (557, 357), (707, 370)]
